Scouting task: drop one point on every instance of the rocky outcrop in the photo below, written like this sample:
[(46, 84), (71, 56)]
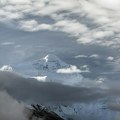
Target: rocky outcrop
[(38, 112)]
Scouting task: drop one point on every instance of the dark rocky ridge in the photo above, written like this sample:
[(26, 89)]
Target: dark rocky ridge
[(38, 112)]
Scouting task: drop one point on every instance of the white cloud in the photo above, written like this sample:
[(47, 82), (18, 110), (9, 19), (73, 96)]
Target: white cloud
[(56, 6), (6, 68), (72, 27), (110, 58), (96, 56), (72, 69), (14, 1), (7, 16), (7, 43), (81, 56), (110, 4), (33, 25), (90, 22), (84, 40), (18, 46), (102, 34), (28, 25)]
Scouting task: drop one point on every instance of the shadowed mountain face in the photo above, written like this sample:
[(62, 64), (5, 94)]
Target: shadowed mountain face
[(39, 112)]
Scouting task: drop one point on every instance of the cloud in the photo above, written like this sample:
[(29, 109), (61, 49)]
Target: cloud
[(7, 43), (72, 69), (72, 27), (33, 25), (88, 22), (31, 91), (102, 34), (81, 56), (3, 2), (110, 58), (110, 4), (6, 68), (8, 15), (10, 109), (96, 56), (30, 25)]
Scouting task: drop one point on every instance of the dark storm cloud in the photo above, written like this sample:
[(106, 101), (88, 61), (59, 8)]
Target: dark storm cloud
[(30, 90)]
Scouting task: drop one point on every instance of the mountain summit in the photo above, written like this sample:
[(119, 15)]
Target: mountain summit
[(50, 63)]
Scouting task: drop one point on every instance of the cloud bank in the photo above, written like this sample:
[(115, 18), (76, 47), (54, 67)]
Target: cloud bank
[(31, 91)]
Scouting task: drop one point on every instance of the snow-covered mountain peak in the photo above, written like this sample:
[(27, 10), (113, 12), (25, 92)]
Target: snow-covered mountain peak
[(50, 63), (51, 57)]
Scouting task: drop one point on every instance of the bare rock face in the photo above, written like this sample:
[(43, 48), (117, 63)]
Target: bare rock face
[(38, 112)]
